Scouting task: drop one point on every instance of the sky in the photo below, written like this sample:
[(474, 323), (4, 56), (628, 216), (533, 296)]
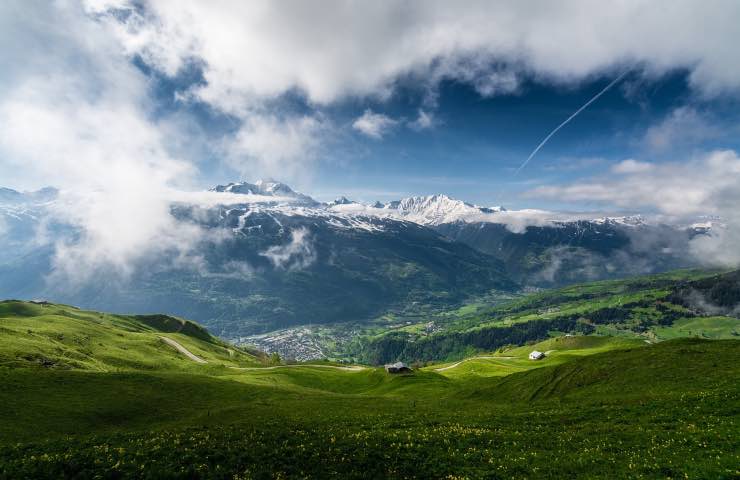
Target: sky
[(133, 101)]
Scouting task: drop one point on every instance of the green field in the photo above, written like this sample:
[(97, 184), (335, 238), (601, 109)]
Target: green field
[(90, 395), (652, 308)]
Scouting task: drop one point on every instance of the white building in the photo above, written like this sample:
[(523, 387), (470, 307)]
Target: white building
[(536, 355)]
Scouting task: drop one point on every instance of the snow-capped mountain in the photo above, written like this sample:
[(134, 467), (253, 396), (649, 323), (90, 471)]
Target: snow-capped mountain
[(274, 257), (437, 209), (282, 192)]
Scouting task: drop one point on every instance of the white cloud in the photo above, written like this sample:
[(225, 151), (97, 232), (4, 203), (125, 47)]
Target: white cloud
[(424, 121), (268, 146), (707, 185), (297, 254), (631, 166), (673, 188), (74, 114), (375, 125), (77, 113), (262, 49), (683, 126)]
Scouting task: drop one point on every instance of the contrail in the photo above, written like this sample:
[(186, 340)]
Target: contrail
[(542, 144)]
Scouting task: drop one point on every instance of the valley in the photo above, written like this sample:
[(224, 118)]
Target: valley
[(653, 395), (265, 258)]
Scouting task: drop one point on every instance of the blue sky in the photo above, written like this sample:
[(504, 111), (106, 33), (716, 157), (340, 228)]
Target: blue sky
[(475, 142)]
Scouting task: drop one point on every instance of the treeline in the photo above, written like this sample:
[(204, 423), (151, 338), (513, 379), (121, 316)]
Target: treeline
[(407, 347), (403, 346), (718, 294)]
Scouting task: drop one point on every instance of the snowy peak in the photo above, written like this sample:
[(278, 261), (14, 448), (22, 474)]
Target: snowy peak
[(340, 201), (629, 220), (436, 209), (267, 188)]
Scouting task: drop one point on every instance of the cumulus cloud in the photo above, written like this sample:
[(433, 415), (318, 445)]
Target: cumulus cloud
[(375, 125), (74, 115), (263, 49), (673, 188), (297, 254)]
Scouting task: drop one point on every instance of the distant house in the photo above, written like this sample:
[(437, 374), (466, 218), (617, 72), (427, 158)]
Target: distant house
[(398, 367), (536, 355)]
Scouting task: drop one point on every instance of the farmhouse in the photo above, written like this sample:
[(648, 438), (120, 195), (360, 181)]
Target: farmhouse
[(536, 355), (398, 367)]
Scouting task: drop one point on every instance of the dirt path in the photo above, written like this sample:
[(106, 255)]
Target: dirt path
[(183, 350), (353, 368), (471, 358)]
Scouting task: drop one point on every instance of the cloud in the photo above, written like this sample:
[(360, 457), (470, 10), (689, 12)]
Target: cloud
[(683, 126), (269, 146), (262, 49), (297, 254), (673, 188), (74, 113), (424, 121), (706, 185), (631, 166), (78, 113), (374, 125)]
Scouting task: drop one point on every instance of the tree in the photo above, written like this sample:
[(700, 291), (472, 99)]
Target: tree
[(275, 358)]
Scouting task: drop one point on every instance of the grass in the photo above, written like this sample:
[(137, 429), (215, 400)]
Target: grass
[(596, 407), (512, 360), (705, 327), (653, 307), (64, 337)]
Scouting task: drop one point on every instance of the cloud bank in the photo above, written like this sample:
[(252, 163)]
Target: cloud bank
[(263, 49), (706, 185)]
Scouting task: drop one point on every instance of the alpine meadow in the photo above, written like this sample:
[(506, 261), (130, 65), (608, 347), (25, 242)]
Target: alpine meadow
[(366, 240)]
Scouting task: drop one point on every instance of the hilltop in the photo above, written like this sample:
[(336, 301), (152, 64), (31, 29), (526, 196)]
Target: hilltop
[(64, 337)]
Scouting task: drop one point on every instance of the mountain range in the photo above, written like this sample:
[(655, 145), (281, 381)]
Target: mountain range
[(281, 258)]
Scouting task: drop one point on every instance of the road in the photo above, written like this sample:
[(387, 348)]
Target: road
[(471, 358), (354, 368), (183, 350)]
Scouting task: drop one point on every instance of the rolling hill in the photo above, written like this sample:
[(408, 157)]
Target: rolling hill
[(123, 403), (67, 338)]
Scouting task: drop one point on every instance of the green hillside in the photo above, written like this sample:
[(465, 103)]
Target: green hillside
[(64, 337), (90, 395), (652, 308), (512, 360)]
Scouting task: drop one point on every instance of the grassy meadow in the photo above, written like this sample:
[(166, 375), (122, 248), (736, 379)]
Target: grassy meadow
[(90, 395)]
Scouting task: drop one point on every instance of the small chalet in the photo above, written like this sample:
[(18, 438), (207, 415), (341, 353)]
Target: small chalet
[(536, 355), (398, 367)]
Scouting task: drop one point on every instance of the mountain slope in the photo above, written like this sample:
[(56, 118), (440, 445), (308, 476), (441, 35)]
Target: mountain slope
[(267, 265), (284, 259), (64, 337), (651, 308), (616, 373), (566, 252)]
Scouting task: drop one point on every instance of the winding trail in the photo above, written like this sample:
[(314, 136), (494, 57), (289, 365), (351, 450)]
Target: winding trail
[(471, 358), (183, 350), (353, 368)]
